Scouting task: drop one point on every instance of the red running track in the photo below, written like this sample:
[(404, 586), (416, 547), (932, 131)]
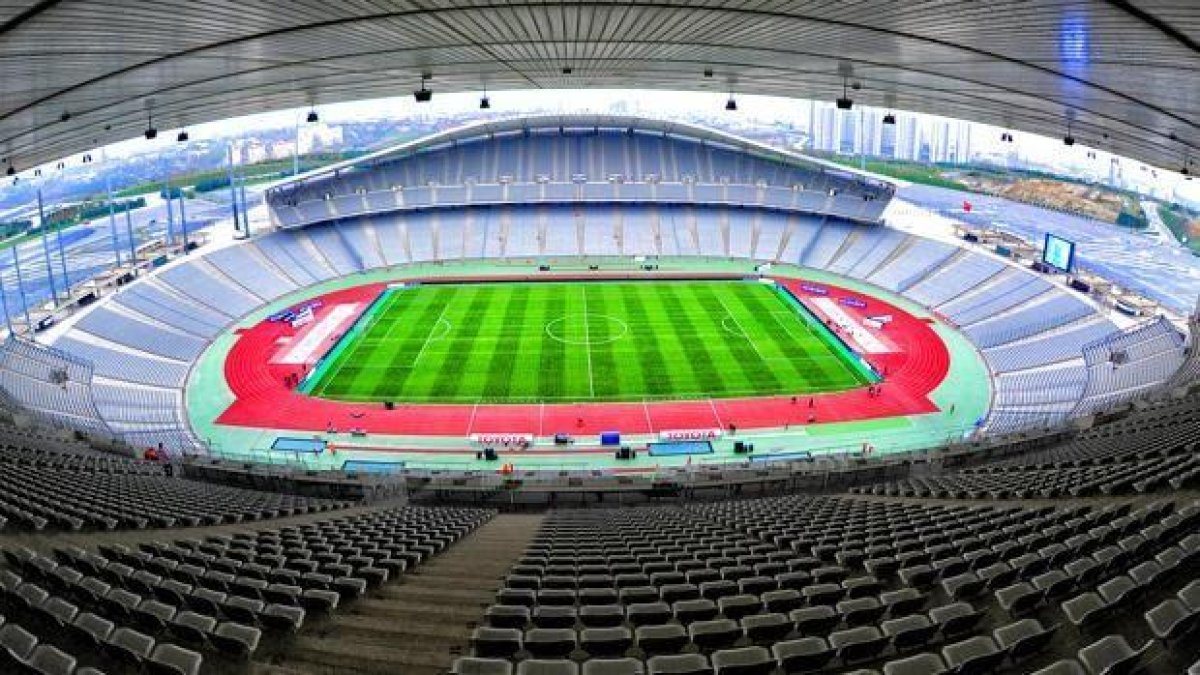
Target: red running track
[(263, 400)]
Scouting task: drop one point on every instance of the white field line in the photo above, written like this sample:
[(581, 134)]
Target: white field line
[(428, 338), (743, 330), (587, 343)]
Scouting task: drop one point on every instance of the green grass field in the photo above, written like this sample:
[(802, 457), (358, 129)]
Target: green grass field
[(584, 341)]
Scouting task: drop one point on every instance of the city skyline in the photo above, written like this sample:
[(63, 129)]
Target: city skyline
[(915, 137)]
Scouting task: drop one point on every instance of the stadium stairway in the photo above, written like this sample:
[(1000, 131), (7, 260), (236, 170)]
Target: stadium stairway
[(419, 625)]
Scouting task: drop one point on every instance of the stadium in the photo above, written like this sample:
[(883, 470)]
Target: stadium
[(595, 392)]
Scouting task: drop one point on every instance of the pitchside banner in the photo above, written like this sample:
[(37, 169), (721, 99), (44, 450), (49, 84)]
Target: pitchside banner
[(689, 434), (502, 439), (304, 318)]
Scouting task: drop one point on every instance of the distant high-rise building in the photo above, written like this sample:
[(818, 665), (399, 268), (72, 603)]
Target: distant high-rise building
[(823, 126), (847, 122), (887, 141)]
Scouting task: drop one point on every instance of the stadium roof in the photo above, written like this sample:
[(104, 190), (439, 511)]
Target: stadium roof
[(74, 75), (524, 123)]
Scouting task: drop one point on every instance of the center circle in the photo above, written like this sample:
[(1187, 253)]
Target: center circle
[(555, 329)]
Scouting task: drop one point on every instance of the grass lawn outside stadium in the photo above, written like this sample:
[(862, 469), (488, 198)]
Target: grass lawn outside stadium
[(559, 342)]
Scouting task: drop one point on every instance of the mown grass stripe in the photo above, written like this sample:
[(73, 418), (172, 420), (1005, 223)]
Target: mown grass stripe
[(497, 348), (388, 369), (745, 356), (805, 355), (503, 357), (660, 380), (680, 306), (553, 357)]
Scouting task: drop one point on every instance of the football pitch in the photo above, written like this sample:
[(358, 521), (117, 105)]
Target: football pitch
[(558, 342)]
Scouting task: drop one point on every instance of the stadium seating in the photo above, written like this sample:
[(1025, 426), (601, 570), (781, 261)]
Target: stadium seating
[(210, 605), (589, 165), (808, 584), (1030, 332)]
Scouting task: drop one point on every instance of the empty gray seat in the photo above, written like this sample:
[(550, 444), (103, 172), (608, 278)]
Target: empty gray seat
[(285, 618), (661, 639), (955, 619), (554, 617), (507, 616), (700, 609), (919, 664), (600, 616), (714, 634), (766, 628), (736, 606), (802, 655), (610, 641), (167, 659), (1171, 619), (1020, 598), (550, 643), (1111, 655), (129, 647), (909, 632), (812, 620), (235, 639), (858, 644), (496, 642), (973, 655), (1023, 638), (1085, 609), (903, 601), (192, 629), (860, 611), (743, 661), (679, 664), (613, 667), (547, 667)]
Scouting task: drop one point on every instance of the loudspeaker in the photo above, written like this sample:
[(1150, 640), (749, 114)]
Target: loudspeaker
[(739, 448), (388, 405), (490, 454)]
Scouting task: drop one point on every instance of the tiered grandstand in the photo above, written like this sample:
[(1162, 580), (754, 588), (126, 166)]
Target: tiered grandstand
[(598, 190), (1057, 533), (595, 394)]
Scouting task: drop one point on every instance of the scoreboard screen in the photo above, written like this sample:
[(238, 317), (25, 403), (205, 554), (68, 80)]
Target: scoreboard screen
[(1059, 253)]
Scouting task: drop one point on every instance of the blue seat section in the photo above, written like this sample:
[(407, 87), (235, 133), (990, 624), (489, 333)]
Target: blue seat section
[(114, 327), (826, 245), (1015, 289), (283, 249), (137, 404), (920, 260), (1049, 349), (332, 246), (178, 312), (1058, 309), (609, 165), (954, 279), (420, 235), (119, 365), (238, 263), (193, 281)]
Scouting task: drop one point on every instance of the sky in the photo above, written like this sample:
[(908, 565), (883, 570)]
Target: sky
[(1078, 160)]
